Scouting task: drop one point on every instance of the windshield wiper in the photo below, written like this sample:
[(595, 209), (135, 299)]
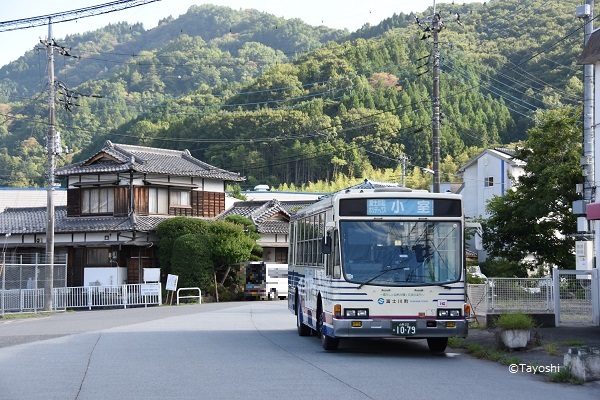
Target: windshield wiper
[(379, 275)]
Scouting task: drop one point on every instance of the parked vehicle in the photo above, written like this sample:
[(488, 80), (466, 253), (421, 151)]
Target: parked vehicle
[(266, 281)]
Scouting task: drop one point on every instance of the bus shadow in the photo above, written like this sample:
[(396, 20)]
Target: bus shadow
[(391, 347)]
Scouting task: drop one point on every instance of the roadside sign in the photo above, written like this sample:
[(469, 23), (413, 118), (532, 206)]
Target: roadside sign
[(172, 282)]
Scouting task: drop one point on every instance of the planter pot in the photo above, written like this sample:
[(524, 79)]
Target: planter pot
[(515, 338)]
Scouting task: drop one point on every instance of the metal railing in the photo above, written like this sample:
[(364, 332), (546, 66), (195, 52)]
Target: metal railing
[(520, 294), (578, 299), (64, 298), (188, 289), (476, 297)]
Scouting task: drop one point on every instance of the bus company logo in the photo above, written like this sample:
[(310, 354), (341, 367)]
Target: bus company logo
[(442, 303), (380, 300)]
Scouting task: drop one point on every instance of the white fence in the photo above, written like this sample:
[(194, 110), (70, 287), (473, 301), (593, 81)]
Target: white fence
[(578, 299), (572, 296), (32, 300), (520, 294)]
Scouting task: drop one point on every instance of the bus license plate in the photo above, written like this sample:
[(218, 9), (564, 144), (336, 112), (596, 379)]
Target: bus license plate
[(404, 328)]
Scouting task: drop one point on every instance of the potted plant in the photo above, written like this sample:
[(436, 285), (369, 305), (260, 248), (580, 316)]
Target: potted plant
[(515, 329)]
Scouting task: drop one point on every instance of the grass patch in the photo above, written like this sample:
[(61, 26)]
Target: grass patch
[(564, 375), (551, 348), (456, 343), (516, 320), (479, 351), (574, 343), (26, 315), (476, 325)]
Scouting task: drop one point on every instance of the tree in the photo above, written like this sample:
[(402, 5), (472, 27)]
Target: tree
[(201, 252), (229, 245), (169, 231), (536, 219), (192, 262), (250, 231)]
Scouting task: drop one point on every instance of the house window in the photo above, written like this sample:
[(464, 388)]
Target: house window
[(160, 199), (98, 256), (281, 255), (179, 198), (158, 202), (97, 201), (489, 181)]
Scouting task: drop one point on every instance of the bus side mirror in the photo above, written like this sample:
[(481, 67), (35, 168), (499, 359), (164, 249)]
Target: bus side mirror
[(326, 244)]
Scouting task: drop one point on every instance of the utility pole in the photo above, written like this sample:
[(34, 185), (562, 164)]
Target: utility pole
[(436, 26), (587, 161), (51, 147), (591, 175)]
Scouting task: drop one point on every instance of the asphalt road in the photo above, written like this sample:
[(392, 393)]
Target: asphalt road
[(236, 351)]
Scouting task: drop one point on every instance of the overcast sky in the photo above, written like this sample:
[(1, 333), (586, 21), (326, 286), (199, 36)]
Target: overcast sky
[(350, 14)]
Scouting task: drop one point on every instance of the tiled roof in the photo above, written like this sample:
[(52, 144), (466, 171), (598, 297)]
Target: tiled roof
[(269, 216), (114, 158), (33, 220)]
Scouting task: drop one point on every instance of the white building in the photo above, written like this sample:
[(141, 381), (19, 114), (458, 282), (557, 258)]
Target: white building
[(491, 173)]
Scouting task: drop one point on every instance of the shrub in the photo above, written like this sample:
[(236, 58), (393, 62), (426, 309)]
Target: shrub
[(515, 321)]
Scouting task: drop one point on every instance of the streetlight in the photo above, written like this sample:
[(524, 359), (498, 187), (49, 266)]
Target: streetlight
[(428, 171)]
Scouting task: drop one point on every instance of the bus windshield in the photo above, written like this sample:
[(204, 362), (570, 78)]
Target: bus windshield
[(401, 253)]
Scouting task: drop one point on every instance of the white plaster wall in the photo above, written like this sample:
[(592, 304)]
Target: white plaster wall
[(211, 185)]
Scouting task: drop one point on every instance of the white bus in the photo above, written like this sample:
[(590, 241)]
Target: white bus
[(379, 263)]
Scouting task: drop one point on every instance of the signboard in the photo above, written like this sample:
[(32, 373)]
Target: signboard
[(151, 274), (150, 289), (172, 282), (400, 207)]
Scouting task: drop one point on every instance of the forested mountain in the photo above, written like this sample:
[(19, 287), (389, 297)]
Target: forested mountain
[(284, 102)]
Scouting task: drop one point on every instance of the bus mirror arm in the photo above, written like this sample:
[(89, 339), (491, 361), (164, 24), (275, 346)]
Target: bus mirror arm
[(326, 244)]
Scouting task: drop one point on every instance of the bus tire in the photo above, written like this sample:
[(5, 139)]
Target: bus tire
[(328, 342), (437, 345), (303, 330)]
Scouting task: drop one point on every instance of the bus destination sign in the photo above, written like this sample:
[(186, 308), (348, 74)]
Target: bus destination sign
[(408, 207)]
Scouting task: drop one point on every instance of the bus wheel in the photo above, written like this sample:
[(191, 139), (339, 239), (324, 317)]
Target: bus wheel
[(303, 330), (437, 345), (328, 342)]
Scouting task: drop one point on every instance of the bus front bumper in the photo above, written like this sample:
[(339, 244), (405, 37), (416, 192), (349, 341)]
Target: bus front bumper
[(406, 328)]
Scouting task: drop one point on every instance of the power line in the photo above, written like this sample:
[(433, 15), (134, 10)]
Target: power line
[(72, 15)]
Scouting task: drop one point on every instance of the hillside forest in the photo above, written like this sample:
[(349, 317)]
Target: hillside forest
[(288, 104)]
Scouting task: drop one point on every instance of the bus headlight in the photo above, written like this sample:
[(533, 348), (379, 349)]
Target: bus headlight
[(448, 313), (356, 312)]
